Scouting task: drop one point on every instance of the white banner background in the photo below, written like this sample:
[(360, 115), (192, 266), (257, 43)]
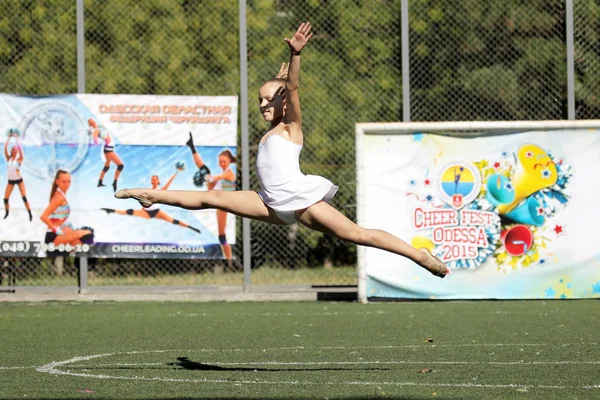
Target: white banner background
[(402, 172)]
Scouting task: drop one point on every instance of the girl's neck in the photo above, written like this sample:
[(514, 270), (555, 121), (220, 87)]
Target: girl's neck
[(276, 123)]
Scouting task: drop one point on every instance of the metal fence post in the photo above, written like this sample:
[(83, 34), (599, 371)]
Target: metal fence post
[(80, 49), (83, 262), (83, 274), (246, 257), (404, 28), (570, 61)]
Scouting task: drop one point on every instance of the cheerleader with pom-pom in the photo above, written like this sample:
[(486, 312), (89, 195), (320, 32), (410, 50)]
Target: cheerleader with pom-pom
[(14, 159), (108, 153)]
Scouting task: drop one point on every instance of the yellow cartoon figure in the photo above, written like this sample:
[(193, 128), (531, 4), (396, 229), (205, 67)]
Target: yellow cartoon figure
[(535, 171)]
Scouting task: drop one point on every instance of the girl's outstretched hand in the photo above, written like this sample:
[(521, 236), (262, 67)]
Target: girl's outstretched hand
[(300, 38), (283, 71)]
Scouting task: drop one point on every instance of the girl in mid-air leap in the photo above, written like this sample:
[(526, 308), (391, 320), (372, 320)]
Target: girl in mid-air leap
[(287, 195)]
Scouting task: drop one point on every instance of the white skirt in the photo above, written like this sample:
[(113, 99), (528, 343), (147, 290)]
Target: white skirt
[(299, 193)]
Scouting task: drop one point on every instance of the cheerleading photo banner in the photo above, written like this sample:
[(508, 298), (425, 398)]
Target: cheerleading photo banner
[(64, 157), (513, 216)]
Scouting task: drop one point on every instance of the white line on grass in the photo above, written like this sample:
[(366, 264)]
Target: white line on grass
[(52, 368), (410, 346), (347, 363), (6, 368)]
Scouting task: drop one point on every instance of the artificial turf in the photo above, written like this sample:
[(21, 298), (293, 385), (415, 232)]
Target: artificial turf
[(285, 350)]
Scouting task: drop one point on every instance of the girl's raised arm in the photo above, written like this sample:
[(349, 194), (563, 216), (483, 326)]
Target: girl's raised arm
[(293, 116)]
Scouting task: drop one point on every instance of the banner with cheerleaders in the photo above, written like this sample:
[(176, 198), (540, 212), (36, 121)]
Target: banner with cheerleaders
[(64, 157), (512, 215)]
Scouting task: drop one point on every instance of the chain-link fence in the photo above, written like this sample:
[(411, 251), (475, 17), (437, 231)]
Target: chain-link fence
[(469, 60), (488, 60), (586, 16)]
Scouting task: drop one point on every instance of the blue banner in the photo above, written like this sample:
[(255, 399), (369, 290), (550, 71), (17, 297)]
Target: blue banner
[(65, 156)]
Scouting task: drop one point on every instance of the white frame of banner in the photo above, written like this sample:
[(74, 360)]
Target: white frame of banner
[(463, 129)]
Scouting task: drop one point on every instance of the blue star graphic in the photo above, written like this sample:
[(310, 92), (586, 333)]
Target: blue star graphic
[(569, 285), (546, 173), (550, 292), (563, 296), (504, 154), (562, 280), (508, 186), (417, 137), (596, 287), (412, 182), (429, 197), (542, 261)]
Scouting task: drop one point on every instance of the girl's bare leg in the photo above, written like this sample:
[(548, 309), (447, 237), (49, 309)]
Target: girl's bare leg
[(243, 203), (103, 172), (71, 237), (24, 197), (135, 213), (7, 192), (221, 224), (112, 156), (198, 160), (325, 218), (166, 217)]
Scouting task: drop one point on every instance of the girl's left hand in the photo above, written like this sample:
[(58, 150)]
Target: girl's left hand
[(300, 38), (283, 71)]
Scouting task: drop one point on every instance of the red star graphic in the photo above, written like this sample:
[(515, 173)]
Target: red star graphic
[(427, 182), (558, 229), (560, 162), (541, 211), (496, 165)]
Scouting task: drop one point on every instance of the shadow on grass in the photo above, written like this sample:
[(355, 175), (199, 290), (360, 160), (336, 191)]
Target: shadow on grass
[(190, 365), (186, 363)]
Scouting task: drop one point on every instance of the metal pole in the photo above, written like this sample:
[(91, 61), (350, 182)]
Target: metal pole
[(570, 62), (80, 49), (405, 61), (246, 257), (83, 274), (83, 261)]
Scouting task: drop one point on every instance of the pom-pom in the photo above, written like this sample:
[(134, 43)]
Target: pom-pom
[(13, 132), (200, 176)]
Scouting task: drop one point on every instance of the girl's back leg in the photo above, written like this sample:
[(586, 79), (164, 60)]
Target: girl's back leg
[(325, 218)]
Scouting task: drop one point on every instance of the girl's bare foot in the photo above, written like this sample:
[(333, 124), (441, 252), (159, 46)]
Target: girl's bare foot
[(434, 265), (140, 195)]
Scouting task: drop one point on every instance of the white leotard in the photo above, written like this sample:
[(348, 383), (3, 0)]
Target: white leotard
[(13, 166), (283, 186)]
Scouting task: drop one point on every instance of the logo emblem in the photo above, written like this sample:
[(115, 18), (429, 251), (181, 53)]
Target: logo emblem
[(55, 133), (459, 184)]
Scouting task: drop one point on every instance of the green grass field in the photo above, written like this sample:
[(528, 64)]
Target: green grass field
[(266, 275), (407, 350)]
